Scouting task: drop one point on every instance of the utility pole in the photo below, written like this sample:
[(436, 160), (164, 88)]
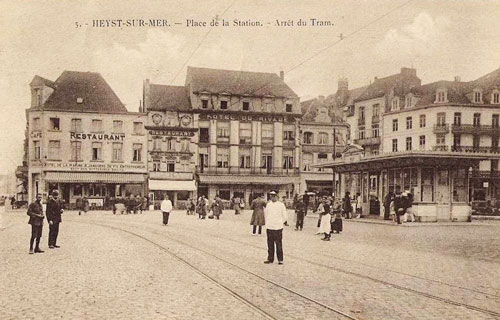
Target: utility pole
[(334, 157)]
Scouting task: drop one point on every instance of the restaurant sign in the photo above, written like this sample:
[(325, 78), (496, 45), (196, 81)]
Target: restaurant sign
[(97, 136), (171, 133), (95, 167), (246, 117)]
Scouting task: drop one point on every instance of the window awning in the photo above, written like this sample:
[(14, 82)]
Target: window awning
[(172, 185), (235, 179), (94, 177)]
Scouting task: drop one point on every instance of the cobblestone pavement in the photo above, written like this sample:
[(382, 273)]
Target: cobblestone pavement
[(369, 271)]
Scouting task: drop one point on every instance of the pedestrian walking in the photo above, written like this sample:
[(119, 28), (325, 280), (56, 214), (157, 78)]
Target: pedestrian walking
[(35, 211), (359, 209), (347, 206), (191, 207), (275, 216), (300, 210), (258, 220), (54, 211), (337, 212), (86, 205), (387, 205), (138, 204), (237, 205), (202, 207), (216, 207), (13, 202), (326, 217), (166, 207)]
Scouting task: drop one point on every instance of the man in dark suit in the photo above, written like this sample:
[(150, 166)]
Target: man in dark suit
[(399, 206), (54, 211), (35, 211)]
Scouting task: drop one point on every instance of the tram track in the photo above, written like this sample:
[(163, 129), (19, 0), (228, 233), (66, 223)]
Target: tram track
[(351, 273), (230, 291)]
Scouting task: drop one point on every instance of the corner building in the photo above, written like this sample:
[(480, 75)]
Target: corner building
[(82, 141), (248, 133)]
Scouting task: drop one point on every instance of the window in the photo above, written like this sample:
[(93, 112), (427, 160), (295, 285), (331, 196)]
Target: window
[(170, 166), (376, 110), (185, 145), (288, 107), (422, 142), (246, 105), (457, 118), (245, 161), (408, 101), (361, 115), (268, 107), (117, 126), (441, 119), (36, 124), (495, 97), (203, 159), (361, 133), (204, 135), (323, 138), (36, 147), (477, 96), (409, 123), (287, 162), (137, 152), (456, 140), (394, 145), (288, 135), (245, 133), (395, 104), (156, 165), (477, 119), (76, 125), (222, 158), (96, 151), (422, 121), (475, 142), (54, 149), (394, 124), (494, 143), (223, 105), (38, 96), (494, 120), (138, 128), (267, 130), (408, 144), (170, 144), (204, 103), (156, 143), (427, 185), (54, 124), (440, 139), (308, 137), (307, 160), (350, 111), (375, 130), (223, 129), (441, 96), (117, 151), (96, 125), (76, 150)]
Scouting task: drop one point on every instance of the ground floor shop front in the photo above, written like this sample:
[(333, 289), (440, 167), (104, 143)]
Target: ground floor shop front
[(180, 192), (100, 188), (439, 183)]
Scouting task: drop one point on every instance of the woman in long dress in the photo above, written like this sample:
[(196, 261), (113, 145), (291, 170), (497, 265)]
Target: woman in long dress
[(326, 218)]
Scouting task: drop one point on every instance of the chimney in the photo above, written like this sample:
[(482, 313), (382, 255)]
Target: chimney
[(140, 105), (409, 72), (343, 90), (146, 95), (282, 75), (457, 79)]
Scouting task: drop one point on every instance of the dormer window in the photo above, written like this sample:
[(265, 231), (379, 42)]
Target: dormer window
[(409, 102), (246, 105), (478, 96), (395, 104), (204, 103), (223, 105), (38, 96), (441, 96), (54, 124), (288, 107), (495, 97)]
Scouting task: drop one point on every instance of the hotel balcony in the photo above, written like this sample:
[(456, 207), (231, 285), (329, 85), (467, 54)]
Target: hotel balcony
[(322, 148), (275, 171), (361, 122), (475, 149), (440, 148), (375, 119), (472, 129), (441, 128), (367, 141)]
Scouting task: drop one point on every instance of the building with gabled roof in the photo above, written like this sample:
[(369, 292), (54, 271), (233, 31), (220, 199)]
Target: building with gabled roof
[(82, 141)]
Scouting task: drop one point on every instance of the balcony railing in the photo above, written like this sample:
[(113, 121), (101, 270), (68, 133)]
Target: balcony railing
[(440, 148), (441, 128), (475, 149), (275, 171), (367, 141), (472, 129), (361, 122), (375, 119)]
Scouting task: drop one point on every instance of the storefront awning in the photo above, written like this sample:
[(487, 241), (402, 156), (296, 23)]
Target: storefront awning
[(172, 185), (269, 180), (94, 177)]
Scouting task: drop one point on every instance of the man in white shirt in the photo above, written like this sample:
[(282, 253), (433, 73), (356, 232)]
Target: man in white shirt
[(276, 217), (166, 207)]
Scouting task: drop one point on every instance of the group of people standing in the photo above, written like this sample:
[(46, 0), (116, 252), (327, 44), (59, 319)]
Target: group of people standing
[(398, 206), (53, 210)]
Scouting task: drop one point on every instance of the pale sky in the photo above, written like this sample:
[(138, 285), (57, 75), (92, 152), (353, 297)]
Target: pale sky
[(441, 39)]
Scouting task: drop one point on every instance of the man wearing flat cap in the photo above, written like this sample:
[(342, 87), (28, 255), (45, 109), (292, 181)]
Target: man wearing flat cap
[(54, 211), (276, 217)]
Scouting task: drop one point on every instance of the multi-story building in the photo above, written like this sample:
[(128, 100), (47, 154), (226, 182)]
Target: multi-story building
[(83, 141), (172, 135), (433, 143), (248, 133)]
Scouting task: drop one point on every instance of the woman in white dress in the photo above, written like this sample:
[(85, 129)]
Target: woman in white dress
[(326, 217)]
